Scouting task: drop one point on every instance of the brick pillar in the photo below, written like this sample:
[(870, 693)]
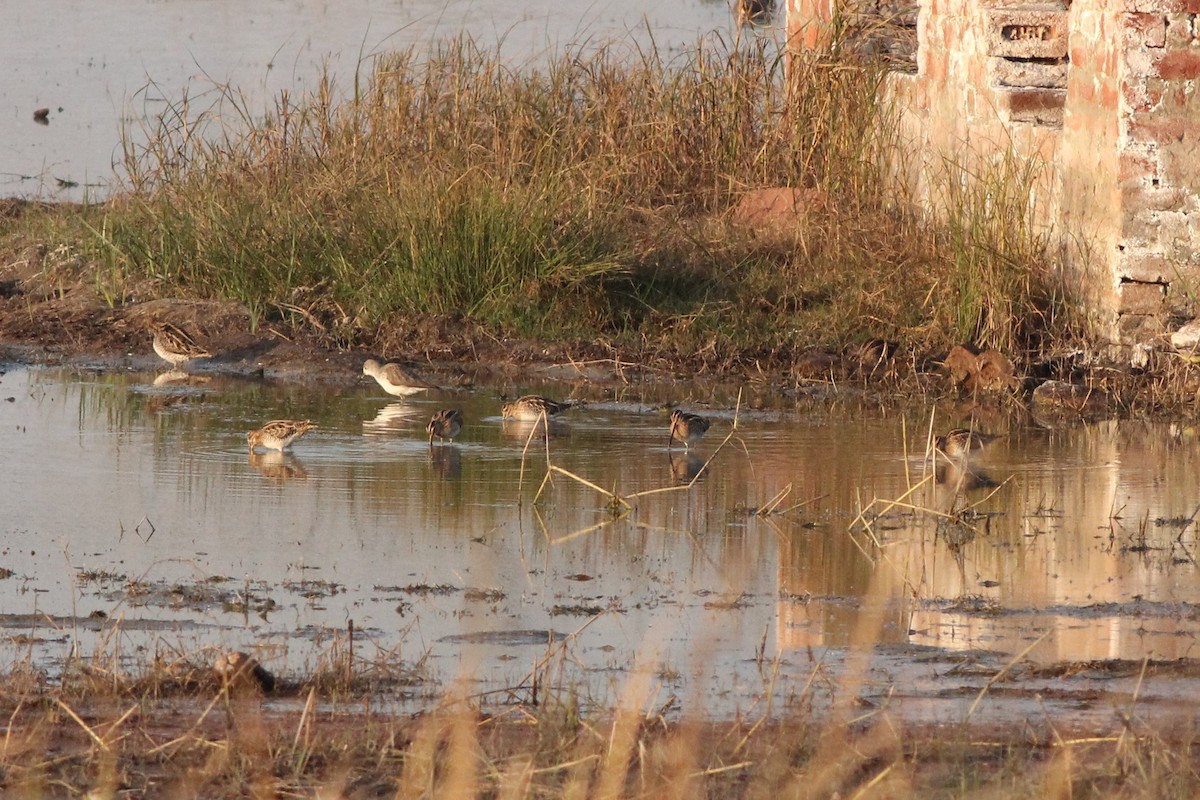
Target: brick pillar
[(1158, 250)]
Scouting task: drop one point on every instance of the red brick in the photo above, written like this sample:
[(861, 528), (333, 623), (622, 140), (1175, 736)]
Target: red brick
[(1138, 166), (1033, 100), (1147, 29), (1152, 127), (1178, 65)]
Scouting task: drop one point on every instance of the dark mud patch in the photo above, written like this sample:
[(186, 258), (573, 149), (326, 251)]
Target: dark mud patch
[(976, 605), (96, 623), (515, 638)]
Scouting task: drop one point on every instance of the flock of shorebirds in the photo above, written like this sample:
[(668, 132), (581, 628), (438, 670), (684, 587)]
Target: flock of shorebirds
[(176, 347)]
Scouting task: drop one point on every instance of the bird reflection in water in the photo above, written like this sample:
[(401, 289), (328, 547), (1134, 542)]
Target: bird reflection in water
[(393, 418), (685, 466), (278, 466), (446, 462)]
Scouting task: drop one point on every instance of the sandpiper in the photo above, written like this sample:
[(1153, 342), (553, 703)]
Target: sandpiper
[(960, 443), (278, 434), (686, 428), (532, 407), (445, 424), (175, 346), (395, 379)]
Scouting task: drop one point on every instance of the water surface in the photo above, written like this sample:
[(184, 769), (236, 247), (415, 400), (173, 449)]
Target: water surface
[(140, 501)]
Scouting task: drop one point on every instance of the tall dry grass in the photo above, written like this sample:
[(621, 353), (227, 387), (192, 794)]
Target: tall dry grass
[(112, 728), (587, 197)]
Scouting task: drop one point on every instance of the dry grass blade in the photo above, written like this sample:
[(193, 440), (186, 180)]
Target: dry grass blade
[(992, 681), (79, 721), (615, 498)]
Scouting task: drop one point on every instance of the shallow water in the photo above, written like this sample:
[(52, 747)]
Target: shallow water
[(98, 66), (140, 501)]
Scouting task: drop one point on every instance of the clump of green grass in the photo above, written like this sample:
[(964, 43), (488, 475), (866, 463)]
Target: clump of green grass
[(585, 198)]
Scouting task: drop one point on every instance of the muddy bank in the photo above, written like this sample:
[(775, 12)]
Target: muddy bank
[(53, 310)]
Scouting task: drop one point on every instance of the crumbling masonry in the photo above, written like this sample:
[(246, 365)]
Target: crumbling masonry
[(1104, 93)]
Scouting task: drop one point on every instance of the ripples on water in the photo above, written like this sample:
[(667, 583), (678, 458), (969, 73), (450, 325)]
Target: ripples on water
[(1087, 534)]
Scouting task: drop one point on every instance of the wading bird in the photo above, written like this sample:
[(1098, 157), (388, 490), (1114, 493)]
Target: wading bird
[(686, 428), (445, 425), (532, 407), (395, 379), (278, 434), (960, 443)]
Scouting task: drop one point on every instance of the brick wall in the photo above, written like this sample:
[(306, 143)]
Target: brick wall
[(1105, 96)]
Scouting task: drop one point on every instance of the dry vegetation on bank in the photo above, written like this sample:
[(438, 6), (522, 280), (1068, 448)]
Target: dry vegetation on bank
[(175, 730), (587, 199)]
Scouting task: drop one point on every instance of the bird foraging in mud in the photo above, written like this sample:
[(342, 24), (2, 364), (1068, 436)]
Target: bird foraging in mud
[(174, 345), (445, 425), (686, 428), (960, 443), (278, 434), (396, 379), (532, 407)]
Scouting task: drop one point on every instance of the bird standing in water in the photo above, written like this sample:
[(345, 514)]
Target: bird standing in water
[(278, 434), (445, 425), (395, 379), (960, 443), (686, 428), (532, 407)]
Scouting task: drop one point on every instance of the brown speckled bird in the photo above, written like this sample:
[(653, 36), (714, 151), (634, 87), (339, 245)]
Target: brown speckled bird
[(686, 428), (278, 434), (532, 407)]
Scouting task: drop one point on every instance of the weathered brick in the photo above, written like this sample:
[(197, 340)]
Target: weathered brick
[(1138, 197), (1164, 6), (1149, 30), (1036, 74), (1142, 95), (1145, 267), (1176, 228), (1026, 34), (1151, 127), (1135, 297), (1181, 30), (1138, 166), (1178, 65), (1135, 328)]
